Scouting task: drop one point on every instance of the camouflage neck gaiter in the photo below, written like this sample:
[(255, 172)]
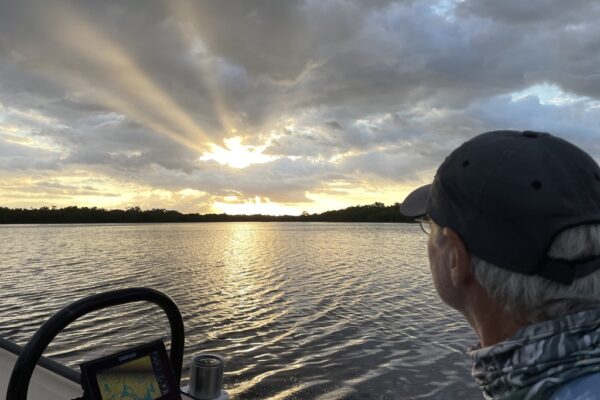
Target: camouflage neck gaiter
[(539, 358)]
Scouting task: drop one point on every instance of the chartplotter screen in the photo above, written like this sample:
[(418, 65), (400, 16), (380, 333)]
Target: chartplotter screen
[(134, 380), (141, 373)]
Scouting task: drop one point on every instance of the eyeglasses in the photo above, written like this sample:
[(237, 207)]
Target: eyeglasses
[(425, 224)]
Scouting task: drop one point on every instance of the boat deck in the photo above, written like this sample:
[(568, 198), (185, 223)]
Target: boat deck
[(44, 384)]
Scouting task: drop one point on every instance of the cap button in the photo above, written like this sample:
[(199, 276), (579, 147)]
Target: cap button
[(530, 134)]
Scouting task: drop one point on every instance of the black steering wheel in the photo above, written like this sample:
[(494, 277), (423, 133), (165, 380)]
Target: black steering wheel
[(18, 384)]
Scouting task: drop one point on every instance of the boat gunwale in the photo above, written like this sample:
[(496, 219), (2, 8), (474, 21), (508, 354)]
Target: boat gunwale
[(45, 362)]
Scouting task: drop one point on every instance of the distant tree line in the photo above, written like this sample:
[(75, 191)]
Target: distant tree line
[(377, 212)]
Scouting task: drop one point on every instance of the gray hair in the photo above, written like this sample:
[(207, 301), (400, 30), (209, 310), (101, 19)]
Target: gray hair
[(534, 298)]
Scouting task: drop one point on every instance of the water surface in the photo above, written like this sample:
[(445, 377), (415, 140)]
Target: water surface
[(299, 310)]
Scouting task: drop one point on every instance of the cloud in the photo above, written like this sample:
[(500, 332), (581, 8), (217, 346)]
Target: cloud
[(17, 156), (513, 12), (577, 121), (346, 93)]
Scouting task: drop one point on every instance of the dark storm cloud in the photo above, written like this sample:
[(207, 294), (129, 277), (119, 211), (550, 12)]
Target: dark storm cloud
[(338, 89)]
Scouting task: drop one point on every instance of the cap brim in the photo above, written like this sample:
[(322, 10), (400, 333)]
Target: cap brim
[(415, 205)]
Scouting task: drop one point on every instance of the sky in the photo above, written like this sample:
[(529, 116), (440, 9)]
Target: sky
[(277, 107)]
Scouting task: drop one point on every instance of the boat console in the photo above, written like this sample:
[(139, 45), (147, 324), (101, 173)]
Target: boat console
[(140, 372)]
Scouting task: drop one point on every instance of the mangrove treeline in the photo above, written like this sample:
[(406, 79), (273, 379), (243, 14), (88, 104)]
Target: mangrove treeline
[(377, 212)]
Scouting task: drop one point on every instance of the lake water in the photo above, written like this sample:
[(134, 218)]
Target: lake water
[(299, 310)]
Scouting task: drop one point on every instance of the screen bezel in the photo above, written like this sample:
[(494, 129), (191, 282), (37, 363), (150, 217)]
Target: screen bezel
[(91, 369)]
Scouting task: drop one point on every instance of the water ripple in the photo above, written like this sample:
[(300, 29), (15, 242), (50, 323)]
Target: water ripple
[(300, 311)]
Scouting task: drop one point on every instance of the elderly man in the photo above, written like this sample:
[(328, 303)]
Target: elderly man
[(514, 245)]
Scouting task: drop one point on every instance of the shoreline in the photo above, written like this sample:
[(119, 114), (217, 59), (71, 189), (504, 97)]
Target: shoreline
[(377, 212), (197, 222)]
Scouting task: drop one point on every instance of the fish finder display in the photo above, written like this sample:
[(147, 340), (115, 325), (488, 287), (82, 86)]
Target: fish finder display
[(141, 373), (134, 380)]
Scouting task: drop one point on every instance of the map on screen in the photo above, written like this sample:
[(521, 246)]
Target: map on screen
[(134, 380)]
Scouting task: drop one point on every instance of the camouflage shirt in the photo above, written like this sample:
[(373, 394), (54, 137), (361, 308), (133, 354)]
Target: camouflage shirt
[(539, 358)]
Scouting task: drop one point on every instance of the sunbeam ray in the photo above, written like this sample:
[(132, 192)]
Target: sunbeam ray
[(183, 10), (114, 78)]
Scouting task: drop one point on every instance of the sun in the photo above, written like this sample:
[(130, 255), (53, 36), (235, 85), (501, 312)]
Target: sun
[(237, 155)]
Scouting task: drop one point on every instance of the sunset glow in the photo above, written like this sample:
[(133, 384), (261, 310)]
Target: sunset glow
[(246, 108), (255, 206)]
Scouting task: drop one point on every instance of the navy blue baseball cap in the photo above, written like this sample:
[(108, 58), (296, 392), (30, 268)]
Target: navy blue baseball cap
[(508, 194)]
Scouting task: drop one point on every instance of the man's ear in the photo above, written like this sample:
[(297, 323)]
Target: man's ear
[(460, 260)]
